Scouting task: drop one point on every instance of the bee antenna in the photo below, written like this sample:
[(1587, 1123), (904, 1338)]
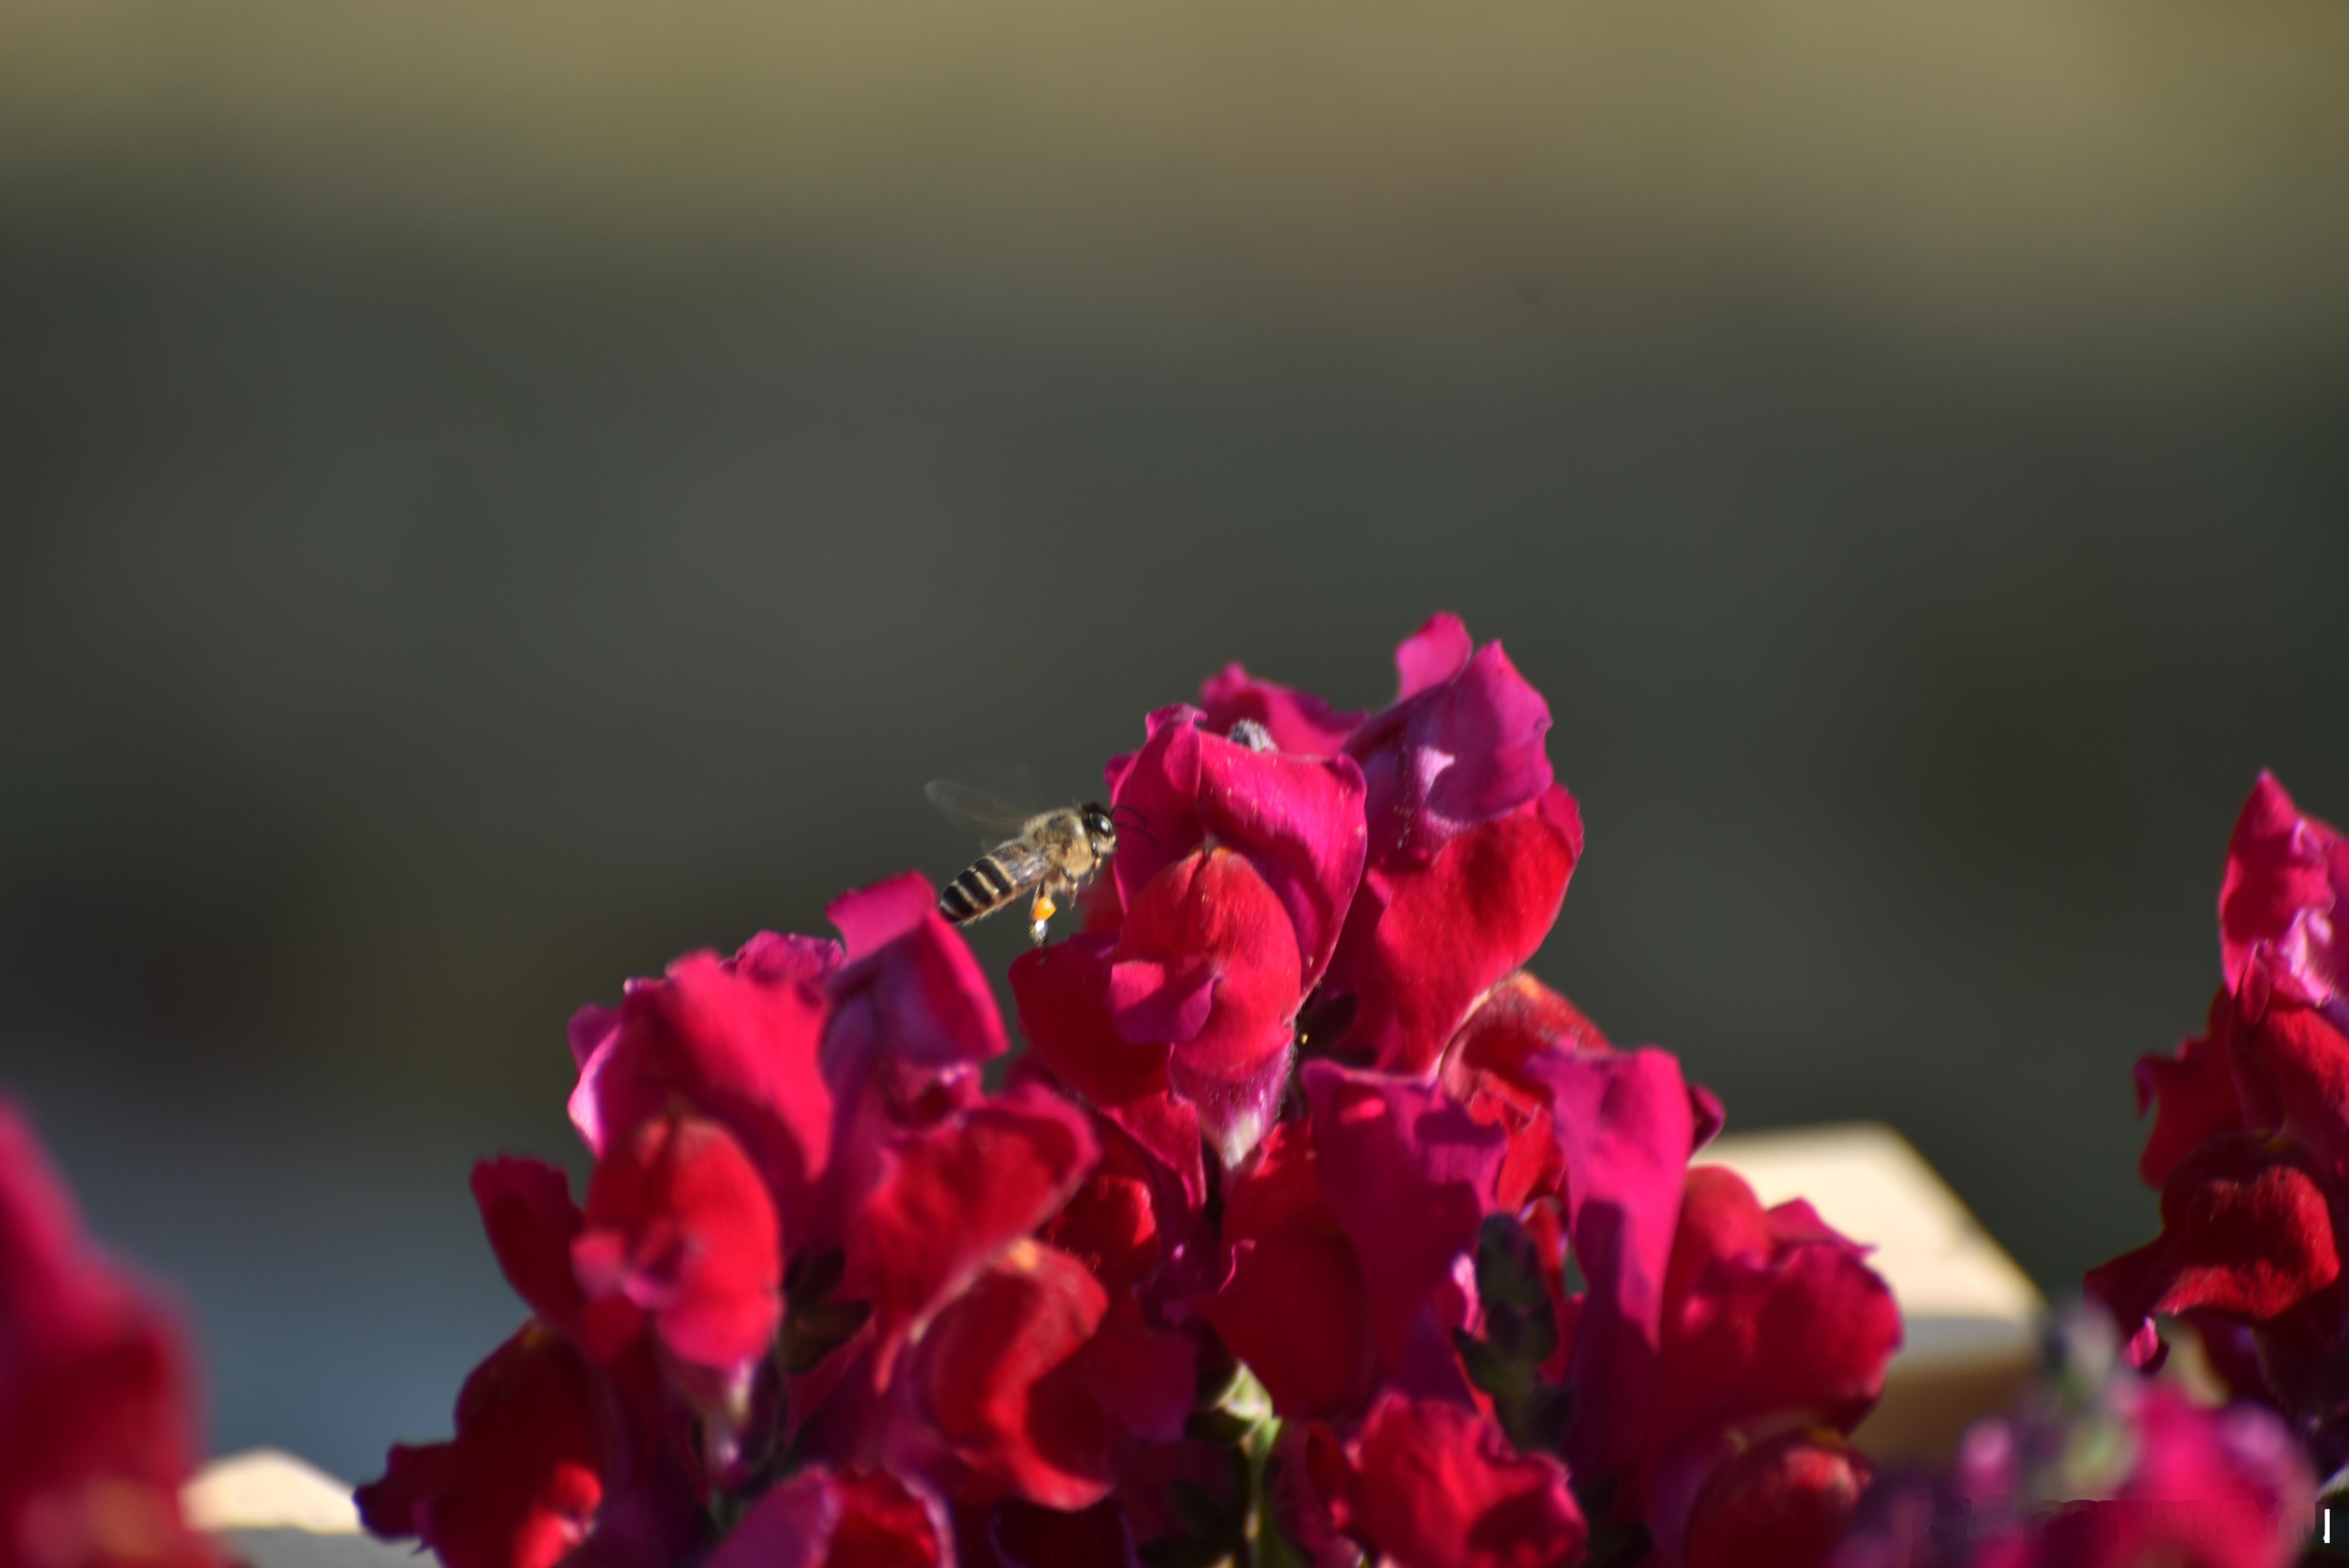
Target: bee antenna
[(1140, 824)]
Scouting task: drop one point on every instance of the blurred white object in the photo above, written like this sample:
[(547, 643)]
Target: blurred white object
[(1970, 1317), (267, 1489)]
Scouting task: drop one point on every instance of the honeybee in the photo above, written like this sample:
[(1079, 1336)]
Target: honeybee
[(1054, 853)]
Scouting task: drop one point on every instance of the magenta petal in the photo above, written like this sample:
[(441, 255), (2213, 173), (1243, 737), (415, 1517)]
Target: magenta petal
[(526, 1209), (2283, 907), (1625, 1131), (1149, 1003), (1432, 654), (1168, 1130), (679, 1223), (1425, 940), (1063, 995), (911, 993), (1409, 1175), (591, 1026), (1297, 821), (1453, 756), (1234, 1113), (801, 960), (949, 1199), (870, 918), (733, 1039)]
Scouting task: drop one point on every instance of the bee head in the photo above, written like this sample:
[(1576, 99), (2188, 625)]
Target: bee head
[(1100, 828)]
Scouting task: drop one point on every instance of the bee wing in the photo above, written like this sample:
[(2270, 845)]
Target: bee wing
[(975, 808), (1023, 863)]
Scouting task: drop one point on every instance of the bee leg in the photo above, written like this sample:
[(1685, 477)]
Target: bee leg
[(1039, 917)]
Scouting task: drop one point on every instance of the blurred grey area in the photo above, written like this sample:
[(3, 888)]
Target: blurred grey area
[(492, 497)]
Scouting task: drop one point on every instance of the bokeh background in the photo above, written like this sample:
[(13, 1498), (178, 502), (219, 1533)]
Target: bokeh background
[(492, 496)]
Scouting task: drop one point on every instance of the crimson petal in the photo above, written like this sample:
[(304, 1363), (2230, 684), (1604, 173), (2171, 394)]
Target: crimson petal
[(949, 1199), (1434, 1485), (1410, 1176), (2247, 1230), (1625, 1130), (526, 1209), (679, 1224), (1427, 936)]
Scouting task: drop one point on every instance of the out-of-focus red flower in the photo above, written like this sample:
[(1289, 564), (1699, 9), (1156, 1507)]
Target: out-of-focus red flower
[(1428, 1484), (2283, 907), (2225, 1487), (2229, 1485), (846, 1519), (522, 1481), (97, 1423), (2101, 1469), (679, 1224), (2247, 1230), (735, 1040), (1471, 845), (2144, 1475)]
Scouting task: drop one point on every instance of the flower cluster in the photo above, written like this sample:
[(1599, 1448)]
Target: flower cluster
[(2250, 1132), (1308, 1229), (97, 1423)]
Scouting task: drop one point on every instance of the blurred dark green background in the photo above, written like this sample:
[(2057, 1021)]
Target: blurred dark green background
[(494, 496)]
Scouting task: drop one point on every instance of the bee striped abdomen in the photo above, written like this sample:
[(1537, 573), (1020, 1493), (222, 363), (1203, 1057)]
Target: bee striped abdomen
[(985, 887)]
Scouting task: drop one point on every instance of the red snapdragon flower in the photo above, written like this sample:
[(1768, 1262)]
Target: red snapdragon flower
[(827, 1283), (1470, 841), (2283, 907), (1712, 1329), (96, 1419), (1229, 902), (1470, 846), (1776, 1337), (2250, 1139)]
